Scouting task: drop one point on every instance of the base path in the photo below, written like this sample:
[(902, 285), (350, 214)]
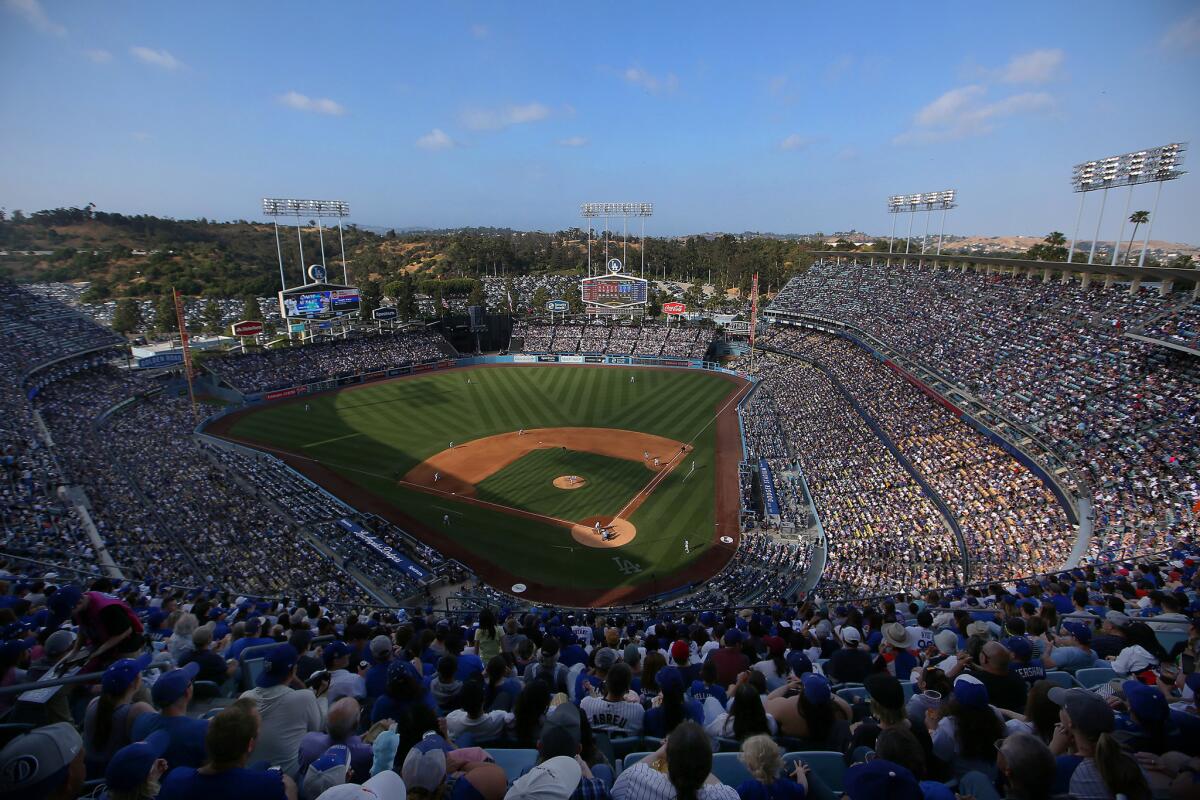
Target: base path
[(461, 468)]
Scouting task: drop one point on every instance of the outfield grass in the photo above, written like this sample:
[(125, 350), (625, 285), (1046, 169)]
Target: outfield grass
[(373, 434)]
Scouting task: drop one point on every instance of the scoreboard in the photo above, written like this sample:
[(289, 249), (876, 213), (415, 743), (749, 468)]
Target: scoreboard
[(318, 301), (614, 291)]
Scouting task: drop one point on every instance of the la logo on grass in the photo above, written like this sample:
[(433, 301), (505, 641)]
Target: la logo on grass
[(627, 567)]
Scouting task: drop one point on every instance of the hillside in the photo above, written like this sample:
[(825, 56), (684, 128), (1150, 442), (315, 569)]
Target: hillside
[(145, 256)]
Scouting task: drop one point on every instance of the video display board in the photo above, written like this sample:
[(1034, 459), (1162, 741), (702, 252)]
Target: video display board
[(319, 303), (614, 291)]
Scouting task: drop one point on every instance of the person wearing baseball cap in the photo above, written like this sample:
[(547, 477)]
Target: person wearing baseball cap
[(376, 677), (850, 663), (1113, 636), (729, 660), (229, 743), (1105, 770), (287, 714), (681, 658), (1145, 727), (1072, 649), (172, 692), (874, 780), (134, 771), (44, 764), (343, 682), (110, 717), (428, 765), (965, 735), (554, 779), (592, 681), (386, 785), (404, 687), (672, 706)]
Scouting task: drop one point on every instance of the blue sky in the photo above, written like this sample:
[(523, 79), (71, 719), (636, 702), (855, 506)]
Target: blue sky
[(787, 117)]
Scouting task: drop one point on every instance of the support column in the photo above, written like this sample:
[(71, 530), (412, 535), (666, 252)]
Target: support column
[(1166, 287), (1065, 277), (1134, 285), (1046, 275), (1085, 279), (1109, 279)]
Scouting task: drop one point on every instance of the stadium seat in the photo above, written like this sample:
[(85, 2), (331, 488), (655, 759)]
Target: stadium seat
[(850, 692), (830, 767), (1060, 678), (631, 759), (251, 669), (1094, 676), (514, 762), (1168, 639), (729, 769), (909, 687)]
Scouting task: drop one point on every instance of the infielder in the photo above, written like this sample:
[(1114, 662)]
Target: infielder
[(437, 476)]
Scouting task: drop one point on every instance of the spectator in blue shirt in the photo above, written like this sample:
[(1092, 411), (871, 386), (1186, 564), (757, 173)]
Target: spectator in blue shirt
[(171, 693), (1073, 650)]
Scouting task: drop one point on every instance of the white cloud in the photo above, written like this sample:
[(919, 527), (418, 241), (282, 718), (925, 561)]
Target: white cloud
[(651, 83), (158, 58), (480, 31), (98, 56), (314, 105), (795, 142), (492, 119), (1036, 66), (36, 16), (436, 139), (574, 141), (1183, 35), (963, 112)]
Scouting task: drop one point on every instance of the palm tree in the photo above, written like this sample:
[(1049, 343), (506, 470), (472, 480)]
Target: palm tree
[(1137, 218)]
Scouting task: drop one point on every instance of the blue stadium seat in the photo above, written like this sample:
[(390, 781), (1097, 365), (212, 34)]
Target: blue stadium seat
[(1060, 678), (909, 687), (729, 769), (514, 762), (1168, 639), (251, 669), (631, 759), (829, 766), (849, 693), (1094, 676)]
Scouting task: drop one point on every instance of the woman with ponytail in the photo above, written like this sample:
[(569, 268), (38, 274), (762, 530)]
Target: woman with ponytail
[(680, 770), (108, 721), (670, 707), (1085, 729)]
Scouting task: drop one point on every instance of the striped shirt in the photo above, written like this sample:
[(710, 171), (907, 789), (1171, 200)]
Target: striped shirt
[(644, 782), (620, 717)]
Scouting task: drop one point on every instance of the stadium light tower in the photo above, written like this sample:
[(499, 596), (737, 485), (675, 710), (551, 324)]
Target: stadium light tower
[(927, 202), (276, 207), (625, 210), (1155, 165)]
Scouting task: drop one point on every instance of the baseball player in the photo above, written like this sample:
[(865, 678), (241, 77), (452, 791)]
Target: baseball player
[(632, 378), (307, 407), (656, 462), (437, 476), (445, 519)]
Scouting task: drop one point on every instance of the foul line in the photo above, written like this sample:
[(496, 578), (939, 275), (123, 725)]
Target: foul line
[(334, 439)]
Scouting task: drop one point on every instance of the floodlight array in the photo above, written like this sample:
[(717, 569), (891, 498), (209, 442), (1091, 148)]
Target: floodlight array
[(1128, 169), (616, 209), (927, 201), (284, 207)]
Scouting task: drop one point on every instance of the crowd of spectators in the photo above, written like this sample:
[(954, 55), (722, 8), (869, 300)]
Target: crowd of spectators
[(1011, 522), (1053, 355), (1080, 684), (648, 338), (288, 366), (1179, 326)]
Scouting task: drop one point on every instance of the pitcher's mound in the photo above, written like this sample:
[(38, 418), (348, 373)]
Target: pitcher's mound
[(570, 482), (585, 533)]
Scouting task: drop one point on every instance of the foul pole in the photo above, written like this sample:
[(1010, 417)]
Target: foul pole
[(753, 317), (181, 320)]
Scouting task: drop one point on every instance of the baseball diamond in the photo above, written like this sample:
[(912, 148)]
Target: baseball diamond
[(477, 468)]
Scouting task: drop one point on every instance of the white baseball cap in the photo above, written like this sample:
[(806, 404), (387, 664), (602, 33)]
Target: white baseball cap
[(387, 785), (553, 779)]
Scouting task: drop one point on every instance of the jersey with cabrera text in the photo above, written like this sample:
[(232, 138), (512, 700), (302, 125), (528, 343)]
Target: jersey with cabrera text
[(620, 717)]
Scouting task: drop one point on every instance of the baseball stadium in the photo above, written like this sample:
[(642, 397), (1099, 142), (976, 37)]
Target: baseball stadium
[(631, 505)]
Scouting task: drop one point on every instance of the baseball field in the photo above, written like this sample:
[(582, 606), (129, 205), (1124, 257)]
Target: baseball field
[(588, 485)]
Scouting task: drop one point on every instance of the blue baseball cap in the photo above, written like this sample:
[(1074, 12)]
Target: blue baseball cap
[(1146, 701), (400, 668), (277, 665), (970, 691), (63, 602), (1079, 630), (733, 637), (120, 675), (174, 684), (799, 662), (334, 651), (130, 766), (879, 778), (669, 679), (1020, 647), (816, 688), (12, 648)]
